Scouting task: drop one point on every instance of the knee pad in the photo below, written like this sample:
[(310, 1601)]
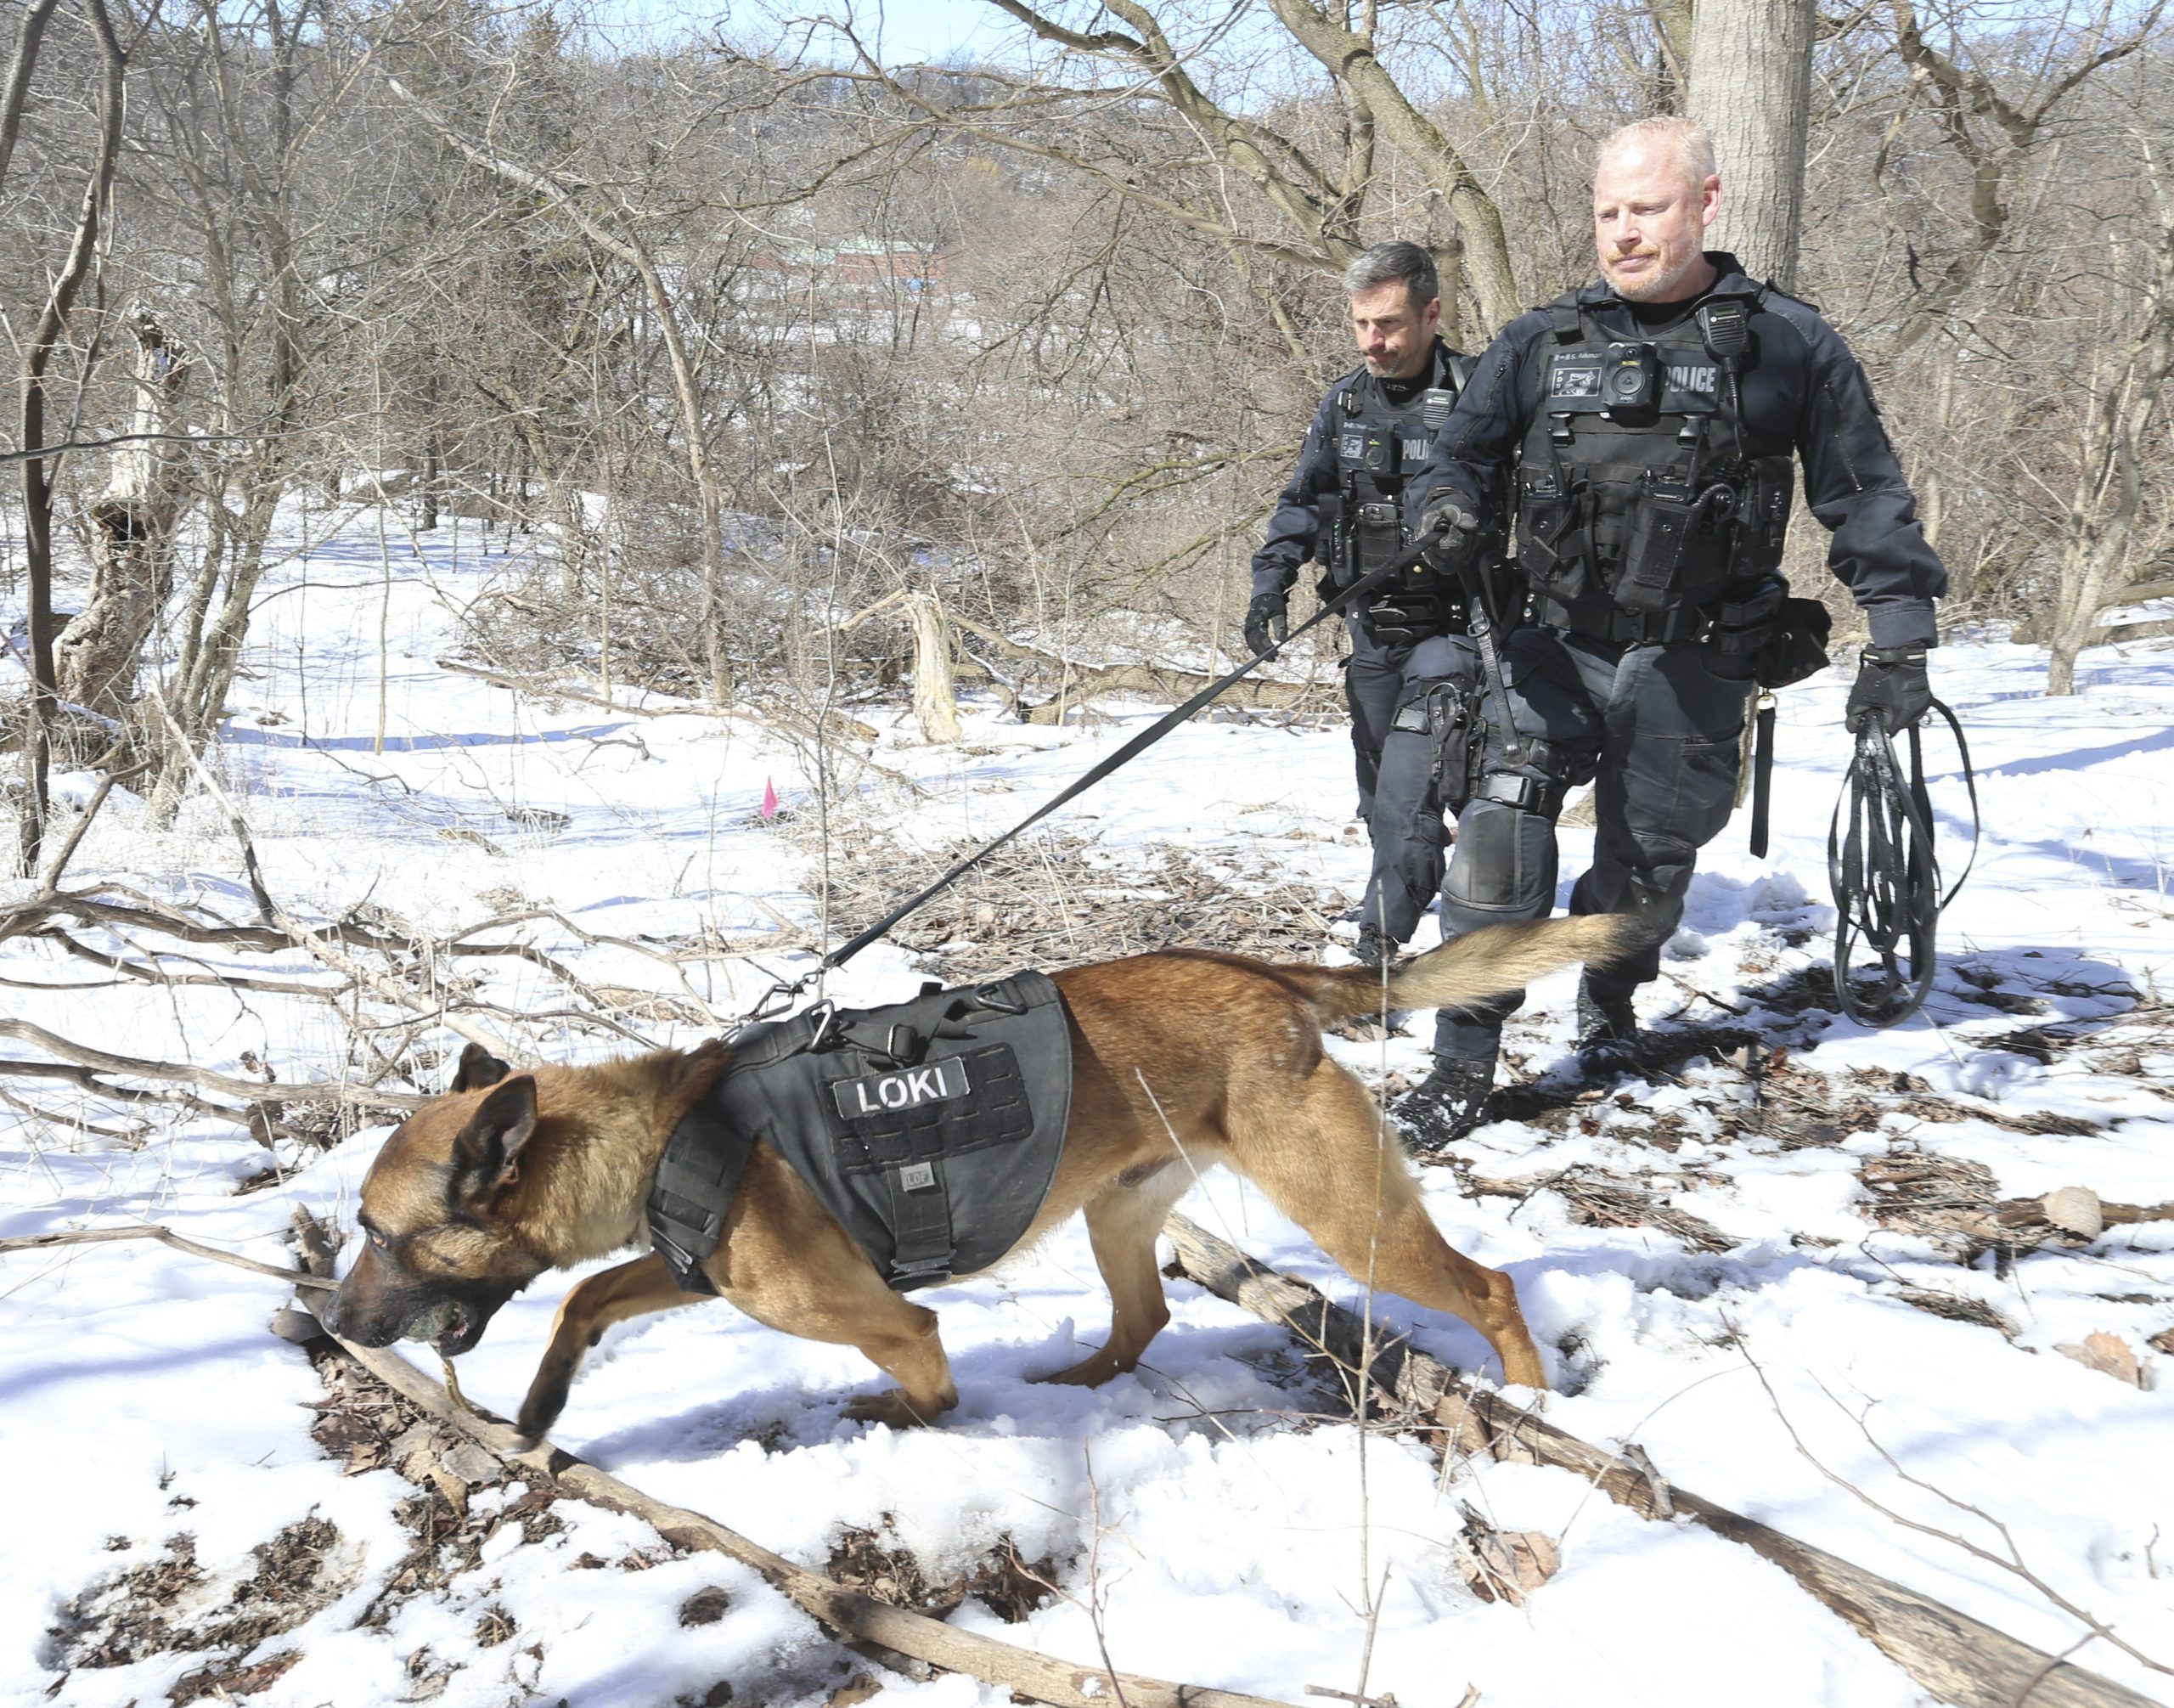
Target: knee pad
[(1505, 862)]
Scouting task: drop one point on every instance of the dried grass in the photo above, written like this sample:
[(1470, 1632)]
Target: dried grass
[(1058, 899)]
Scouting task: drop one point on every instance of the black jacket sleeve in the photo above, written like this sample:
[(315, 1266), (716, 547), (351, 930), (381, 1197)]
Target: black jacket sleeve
[(1853, 484), (1477, 448), (1296, 524)]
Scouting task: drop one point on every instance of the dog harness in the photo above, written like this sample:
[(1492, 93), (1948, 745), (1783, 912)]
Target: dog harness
[(930, 1129)]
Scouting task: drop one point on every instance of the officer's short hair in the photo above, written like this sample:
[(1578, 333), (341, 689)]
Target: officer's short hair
[(1395, 262), (1687, 139)]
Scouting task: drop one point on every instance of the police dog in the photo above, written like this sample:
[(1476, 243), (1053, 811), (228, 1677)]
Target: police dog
[(1179, 1060)]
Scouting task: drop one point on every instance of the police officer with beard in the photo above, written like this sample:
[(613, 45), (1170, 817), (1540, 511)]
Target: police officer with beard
[(1638, 436), (1411, 676)]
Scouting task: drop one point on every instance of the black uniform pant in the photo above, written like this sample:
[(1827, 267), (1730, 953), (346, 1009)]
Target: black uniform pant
[(1400, 796), (1657, 729)]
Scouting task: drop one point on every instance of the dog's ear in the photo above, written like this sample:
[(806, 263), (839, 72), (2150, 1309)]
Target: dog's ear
[(478, 1068), (487, 1155)]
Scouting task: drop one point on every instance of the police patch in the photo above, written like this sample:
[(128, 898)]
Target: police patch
[(1574, 373), (1691, 381)]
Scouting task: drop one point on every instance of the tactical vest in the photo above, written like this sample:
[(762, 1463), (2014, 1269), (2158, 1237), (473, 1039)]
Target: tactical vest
[(931, 1128), (1379, 447), (1635, 483)]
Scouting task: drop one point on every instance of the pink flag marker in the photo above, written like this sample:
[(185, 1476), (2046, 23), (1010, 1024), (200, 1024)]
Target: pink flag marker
[(770, 800)]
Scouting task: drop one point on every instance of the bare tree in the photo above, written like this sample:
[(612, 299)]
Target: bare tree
[(2115, 543), (1994, 126)]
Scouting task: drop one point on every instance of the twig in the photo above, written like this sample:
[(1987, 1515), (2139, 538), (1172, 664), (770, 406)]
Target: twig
[(2014, 1562), (163, 1235), (104, 1062), (58, 864)]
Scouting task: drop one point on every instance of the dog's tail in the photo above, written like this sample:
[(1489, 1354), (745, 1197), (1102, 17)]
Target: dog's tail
[(1492, 961)]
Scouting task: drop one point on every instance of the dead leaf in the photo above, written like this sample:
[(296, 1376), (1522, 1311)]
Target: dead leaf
[(2109, 1354), (1505, 1565), (470, 1463), (704, 1606), (2076, 1210)]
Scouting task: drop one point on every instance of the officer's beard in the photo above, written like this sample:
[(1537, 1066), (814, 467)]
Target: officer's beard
[(1651, 283)]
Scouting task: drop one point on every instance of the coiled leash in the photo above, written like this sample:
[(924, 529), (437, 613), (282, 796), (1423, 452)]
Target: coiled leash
[(1885, 871), (781, 995)]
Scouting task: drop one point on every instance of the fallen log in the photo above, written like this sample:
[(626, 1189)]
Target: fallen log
[(1956, 1658)]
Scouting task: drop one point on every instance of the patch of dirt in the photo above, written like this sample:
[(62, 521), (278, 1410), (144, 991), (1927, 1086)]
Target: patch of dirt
[(1954, 1204), (122, 1619), (1057, 899), (151, 1609), (1596, 1198), (1009, 1586), (224, 1683), (1956, 1307), (367, 1424), (1919, 1192)]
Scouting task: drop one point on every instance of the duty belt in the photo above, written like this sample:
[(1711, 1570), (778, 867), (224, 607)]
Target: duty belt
[(1621, 628)]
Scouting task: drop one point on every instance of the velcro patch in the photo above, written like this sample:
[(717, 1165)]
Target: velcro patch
[(1575, 373), (901, 1089)]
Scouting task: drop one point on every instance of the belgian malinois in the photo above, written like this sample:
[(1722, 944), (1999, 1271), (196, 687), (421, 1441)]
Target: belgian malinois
[(1179, 1060)]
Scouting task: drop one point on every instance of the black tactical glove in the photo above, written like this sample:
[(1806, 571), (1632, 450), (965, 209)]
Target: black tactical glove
[(1892, 686), (1450, 533), (1268, 622)]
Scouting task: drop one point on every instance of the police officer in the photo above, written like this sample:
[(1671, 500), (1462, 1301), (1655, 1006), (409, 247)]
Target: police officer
[(1410, 678), (1637, 435)]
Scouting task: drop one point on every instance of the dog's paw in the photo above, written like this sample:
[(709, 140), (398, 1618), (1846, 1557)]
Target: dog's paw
[(1088, 1372), (534, 1420), (891, 1407)]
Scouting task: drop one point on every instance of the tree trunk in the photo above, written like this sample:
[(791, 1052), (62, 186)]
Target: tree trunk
[(936, 704), (2100, 561), (38, 470), (131, 539), (1751, 87)]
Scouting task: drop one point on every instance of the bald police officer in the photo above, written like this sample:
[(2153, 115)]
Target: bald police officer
[(1638, 436), (1410, 680)]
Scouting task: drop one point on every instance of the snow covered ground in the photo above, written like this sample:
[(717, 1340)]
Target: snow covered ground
[(1750, 1322)]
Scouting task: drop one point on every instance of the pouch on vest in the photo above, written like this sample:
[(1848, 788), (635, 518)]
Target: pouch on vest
[(1551, 553), (1662, 520)]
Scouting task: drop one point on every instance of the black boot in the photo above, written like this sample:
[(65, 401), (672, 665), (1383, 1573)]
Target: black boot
[(1373, 948), (1446, 1105), (1607, 1033)]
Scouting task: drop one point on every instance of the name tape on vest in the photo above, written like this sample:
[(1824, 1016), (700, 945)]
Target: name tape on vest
[(904, 1088)]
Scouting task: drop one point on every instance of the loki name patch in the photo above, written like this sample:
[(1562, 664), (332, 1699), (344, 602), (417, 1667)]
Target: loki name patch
[(904, 1088)]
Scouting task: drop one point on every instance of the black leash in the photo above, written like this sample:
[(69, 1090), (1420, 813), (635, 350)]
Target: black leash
[(1483, 627), (1885, 872), (781, 994), (1762, 772)]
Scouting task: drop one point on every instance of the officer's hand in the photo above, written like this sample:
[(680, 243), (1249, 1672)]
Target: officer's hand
[(1450, 534), (1892, 686), (1268, 622)]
